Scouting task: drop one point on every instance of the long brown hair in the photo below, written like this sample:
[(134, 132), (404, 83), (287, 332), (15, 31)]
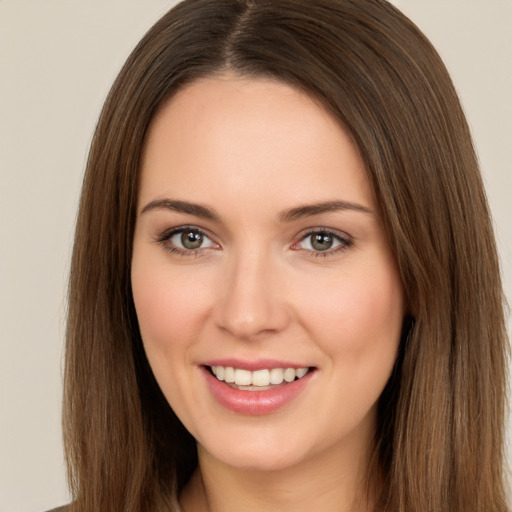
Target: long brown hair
[(440, 434)]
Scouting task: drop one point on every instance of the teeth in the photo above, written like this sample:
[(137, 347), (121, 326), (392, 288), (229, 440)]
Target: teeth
[(258, 378), (220, 372), (242, 377), (289, 374), (276, 376), (229, 374), (261, 378), (301, 372)]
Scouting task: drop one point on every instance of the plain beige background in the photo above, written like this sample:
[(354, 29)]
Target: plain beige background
[(57, 61)]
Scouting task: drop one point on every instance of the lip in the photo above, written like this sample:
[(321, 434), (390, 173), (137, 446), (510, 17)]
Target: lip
[(260, 364), (254, 403)]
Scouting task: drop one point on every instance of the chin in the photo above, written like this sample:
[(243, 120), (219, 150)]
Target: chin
[(261, 461), (261, 452)]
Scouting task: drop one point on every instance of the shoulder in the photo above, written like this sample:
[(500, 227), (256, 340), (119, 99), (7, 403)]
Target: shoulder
[(65, 508)]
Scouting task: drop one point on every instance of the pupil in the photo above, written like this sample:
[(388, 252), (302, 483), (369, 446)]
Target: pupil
[(191, 239), (322, 241)]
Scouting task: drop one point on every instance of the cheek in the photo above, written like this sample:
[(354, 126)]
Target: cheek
[(170, 306), (358, 326), (170, 311), (359, 321)]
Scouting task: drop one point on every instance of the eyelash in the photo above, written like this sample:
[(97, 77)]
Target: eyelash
[(167, 235), (344, 242)]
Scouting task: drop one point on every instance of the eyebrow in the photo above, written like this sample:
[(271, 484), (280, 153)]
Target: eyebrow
[(182, 207), (317, 208), (289, 215)]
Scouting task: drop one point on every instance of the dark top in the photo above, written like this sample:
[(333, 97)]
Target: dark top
[(59, 509)]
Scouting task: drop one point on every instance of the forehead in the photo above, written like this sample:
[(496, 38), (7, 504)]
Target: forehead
[(232, 137)]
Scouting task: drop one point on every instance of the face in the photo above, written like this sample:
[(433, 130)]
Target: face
[(267, 295)]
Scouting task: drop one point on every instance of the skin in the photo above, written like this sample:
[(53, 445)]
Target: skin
[(249, 150)]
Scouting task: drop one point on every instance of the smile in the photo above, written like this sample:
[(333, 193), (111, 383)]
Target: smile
[(256, 390), (258, 380)]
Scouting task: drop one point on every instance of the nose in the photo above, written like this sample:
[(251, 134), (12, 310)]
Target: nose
[(251, 300)]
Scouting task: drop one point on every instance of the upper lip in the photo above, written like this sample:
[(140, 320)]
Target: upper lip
[(257, 364)]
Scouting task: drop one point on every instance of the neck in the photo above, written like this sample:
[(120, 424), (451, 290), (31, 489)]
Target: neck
[(320, 483)]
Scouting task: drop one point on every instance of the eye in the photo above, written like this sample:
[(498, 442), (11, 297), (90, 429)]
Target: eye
[(190, 240), (323, 241), (186, 240)]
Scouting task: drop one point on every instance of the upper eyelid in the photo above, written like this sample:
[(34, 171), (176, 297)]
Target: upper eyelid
[(168, 233), (344, 239), (164, 239), (343, 235)]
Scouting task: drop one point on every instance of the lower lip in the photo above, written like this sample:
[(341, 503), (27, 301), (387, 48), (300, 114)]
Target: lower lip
[(255, 403)]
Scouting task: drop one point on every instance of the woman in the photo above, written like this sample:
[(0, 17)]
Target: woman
[(284, 291)]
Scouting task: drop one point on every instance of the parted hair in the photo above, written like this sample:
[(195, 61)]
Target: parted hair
[(439, 442)]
